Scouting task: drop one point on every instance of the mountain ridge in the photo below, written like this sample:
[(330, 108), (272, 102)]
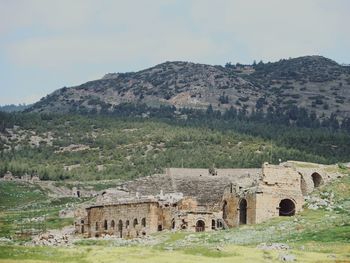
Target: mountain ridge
[(315, 83)]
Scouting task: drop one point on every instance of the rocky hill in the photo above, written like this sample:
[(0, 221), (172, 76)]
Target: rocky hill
[(312, 82)]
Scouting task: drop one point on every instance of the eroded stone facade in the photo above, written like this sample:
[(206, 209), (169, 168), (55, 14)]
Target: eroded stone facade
[(201, 200)]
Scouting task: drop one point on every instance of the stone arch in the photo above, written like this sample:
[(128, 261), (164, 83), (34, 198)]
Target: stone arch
[(224, 210), (200, 226), (219, 223), (143, 222), (286, 207), (105, 224), (127, 224), (135, 222), (213, 224), (112, 224), (120, 228), (317, 179), (243, 211)]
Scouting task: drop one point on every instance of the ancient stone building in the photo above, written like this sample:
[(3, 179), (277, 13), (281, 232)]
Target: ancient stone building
[(201, 199)]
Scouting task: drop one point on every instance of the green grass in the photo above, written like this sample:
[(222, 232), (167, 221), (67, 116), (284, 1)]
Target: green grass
[(228, 253), (15, 195), (207, 252), (26, 207), (313, 235), (38, 254)]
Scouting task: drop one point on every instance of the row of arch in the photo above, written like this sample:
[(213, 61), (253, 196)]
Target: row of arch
[(317, 181), (119, 227), (215, 224)]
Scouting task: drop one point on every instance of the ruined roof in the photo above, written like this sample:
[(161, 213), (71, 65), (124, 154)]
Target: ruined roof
[(127, 202), (207, 189)]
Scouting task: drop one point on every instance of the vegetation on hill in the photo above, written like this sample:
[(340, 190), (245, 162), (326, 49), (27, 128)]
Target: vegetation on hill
[(13, 107), (318, 85), (104, 147)]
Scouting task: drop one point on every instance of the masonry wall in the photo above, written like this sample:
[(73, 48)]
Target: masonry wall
[(123, 220), (268, 204), (189, 221), (234, 211)]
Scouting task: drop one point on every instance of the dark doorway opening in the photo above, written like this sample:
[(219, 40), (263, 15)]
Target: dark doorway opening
[(219, 224), (135, 222), (120, 228), (243, 212), (160, 227), (78, 193), (213, 224), (287, 208), (317, 179), (200, 226)]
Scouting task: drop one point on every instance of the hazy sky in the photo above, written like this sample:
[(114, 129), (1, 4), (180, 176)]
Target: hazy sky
[(45, 45)]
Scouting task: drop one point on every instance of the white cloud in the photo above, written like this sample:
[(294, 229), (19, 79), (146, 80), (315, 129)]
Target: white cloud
[(76, 32), (68, 41), (274, 29)]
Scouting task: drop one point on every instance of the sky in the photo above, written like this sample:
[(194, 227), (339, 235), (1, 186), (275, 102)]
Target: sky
[(46, 45)]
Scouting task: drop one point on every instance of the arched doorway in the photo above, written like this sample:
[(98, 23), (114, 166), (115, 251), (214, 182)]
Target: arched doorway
[(317, 179), (200, 226), (120, 228), (135, 222), (224, 210), (213, 224), (82, 226), (97, 229), (243, 212), (286, 208), (105, 225)]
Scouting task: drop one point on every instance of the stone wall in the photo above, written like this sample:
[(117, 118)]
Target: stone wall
[(196, 200), (124, 220), (264, 200)]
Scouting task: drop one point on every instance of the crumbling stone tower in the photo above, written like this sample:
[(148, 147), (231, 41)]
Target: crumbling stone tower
[(276, 193)]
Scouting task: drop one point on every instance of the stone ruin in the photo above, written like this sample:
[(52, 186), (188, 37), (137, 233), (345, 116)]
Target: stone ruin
[(8, 176), (200, 200)]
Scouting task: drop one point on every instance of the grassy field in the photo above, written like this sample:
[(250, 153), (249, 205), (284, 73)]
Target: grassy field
[(312, 235), (26, 207), (229, 253)]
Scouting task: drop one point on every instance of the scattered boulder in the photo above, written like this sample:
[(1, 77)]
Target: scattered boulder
[(273, 246), (286, 257)]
